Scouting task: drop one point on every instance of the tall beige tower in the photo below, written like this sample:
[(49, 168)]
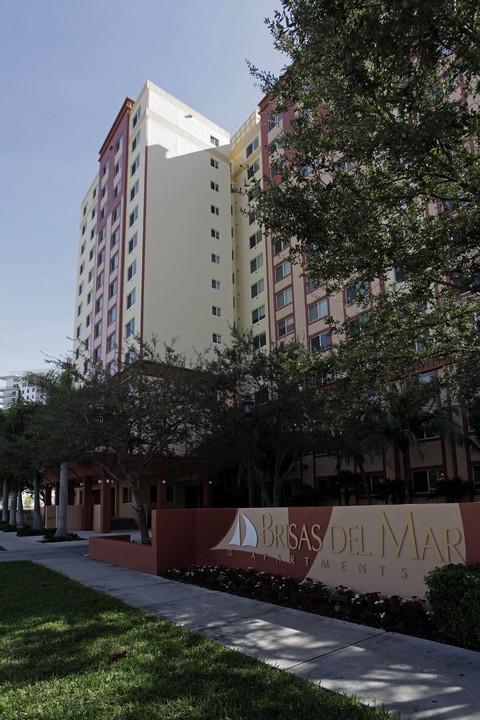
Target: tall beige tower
[(155, 249)]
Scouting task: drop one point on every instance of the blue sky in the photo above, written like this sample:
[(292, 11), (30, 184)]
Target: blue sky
[(66, 68)]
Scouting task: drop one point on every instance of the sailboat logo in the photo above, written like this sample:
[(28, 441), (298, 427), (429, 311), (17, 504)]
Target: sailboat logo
[(250, 537)]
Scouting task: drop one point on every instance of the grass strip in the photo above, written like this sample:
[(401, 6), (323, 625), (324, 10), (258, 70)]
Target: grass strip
[(57, 637)]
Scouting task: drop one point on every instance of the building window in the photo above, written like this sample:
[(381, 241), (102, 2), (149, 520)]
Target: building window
[(256, 263), (137, 117), (81, 288), (130, 328), (214, 210), (216, 338), (98, 329), (111, 342), (83, 248), (126, 496), (94, 211), (131, 298), (99, 304), (214, 186), (355, 326), (425, 480), (132, 243), (216, 311), (255, 239), (112, 315), (132, 270), (116, 213), (134, 190), (91, 254), (133, 216), (252, 147), (215, 234), (214, 140), (273, 147), (115, 238), (254, 168), (258, 314), (259, 341), (114, 263), (274, 120), (354, 293), (103, 211), (118, 144), (135, 165), (111, 370), (321, 341), (105, 168), (82, 268), (283, 270), (317, 311), (118, 166), (97, 355), (216, 284), (79, 309), (89, 297), (215, 259), (101, 257), (105, 190), (283, 298), (399, 274), (214, 163), (112, 288), (136, 141), (92, 232), (117, 189), (252, 216), (311, 284), (284, 327), (90, 274), (280, 245), (257, 288), (103, 233), (88, 321), (79, 330)]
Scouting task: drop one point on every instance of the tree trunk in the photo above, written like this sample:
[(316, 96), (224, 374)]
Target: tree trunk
[(62, 504), (37, 515), (406, 475), (20, 513), (13, 508), (5, 502), (140, 510)]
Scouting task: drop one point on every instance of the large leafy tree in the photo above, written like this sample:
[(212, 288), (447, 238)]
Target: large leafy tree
[(124, 424), (379, 174), (286, 419)]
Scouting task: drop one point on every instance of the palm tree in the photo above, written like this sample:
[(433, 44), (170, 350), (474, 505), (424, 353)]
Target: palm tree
[(407, 412)]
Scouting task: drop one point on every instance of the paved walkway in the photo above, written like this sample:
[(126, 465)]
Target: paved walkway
[(415, 678)]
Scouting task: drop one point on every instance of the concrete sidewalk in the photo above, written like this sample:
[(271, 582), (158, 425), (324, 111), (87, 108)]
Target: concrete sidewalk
[(413, 678)]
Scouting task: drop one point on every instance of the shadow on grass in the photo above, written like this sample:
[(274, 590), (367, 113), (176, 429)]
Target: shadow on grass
[(57, 638)]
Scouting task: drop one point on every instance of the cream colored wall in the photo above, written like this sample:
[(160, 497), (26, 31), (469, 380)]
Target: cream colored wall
[(81, 299), (178, 267), (244, 279)]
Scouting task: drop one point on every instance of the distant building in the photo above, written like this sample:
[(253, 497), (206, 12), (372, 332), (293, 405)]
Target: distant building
[(16, 386)]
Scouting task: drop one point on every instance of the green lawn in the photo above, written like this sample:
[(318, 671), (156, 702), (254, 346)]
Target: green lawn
[(56, 639)]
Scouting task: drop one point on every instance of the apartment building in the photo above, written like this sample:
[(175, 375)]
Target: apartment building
[(170, 246), (154, 253), (16, 385)]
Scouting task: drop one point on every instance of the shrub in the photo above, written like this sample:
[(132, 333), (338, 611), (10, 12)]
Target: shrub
[(454, 597)]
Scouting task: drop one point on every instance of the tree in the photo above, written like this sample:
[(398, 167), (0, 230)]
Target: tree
[(408, 413), (378, 174), (286, 386), (19, 458), (124, 424)]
